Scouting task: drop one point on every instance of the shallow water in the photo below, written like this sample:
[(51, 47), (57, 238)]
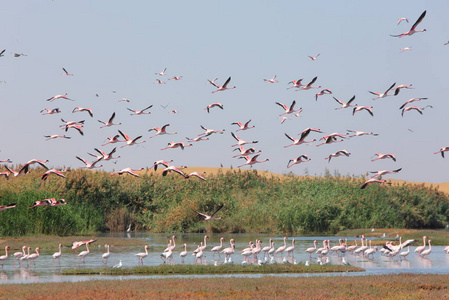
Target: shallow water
[(46, 269)]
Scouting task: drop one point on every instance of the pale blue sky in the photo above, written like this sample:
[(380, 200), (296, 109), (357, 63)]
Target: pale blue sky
[(120, 45)]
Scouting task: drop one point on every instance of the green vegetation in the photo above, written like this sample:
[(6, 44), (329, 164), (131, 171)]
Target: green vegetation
[(211, 269), (253, 203)]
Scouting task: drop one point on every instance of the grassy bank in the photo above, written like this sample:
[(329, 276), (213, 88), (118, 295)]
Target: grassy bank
[(402, 286), (211, 269), (252, 203)]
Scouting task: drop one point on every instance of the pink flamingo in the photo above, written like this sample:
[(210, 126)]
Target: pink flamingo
[(142, 255), (212, 216), (421, 248), (369, 109), (411, 100), (243, 126), (140, 112), (80, 109), (296, 84), (418, 109), (89, 165), (311, 250), (288, 110), (197, 139), (84, 253), (174, 169), (107, 156), (45, 202), (245, 152), (271, 80), (162, 163), (210, 131), (442, 150), (282, 248), (251, 161), (57, 255), (402, 19), (18, 255), (384, 172), (34, 256), (373, 180), (314, 57), (110, 122), (196, 174), (360, 133), (294, 161), (323, 92), (173, 145), (309, 85), (383, 95), (229, 250), (175, 78), (384, 156), (25, 167), (129, 141), (216, 249), (112, 140), (222, 87), (343, 104), (55, 136), (5, 207), (128, 171), (413, 29), (241, 142), (3, 258), (54, 172), (49, 111), (426, 252), (216, 104), (59, 97), (298, 141), (162, 73), (290, 250), (106, 255), (161, 131), (338, 153)]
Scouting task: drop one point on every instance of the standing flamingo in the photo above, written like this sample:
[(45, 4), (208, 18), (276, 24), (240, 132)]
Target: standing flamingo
[(18, 255), (311, 250), (230, 250), (106, 255), (282, 248), (142, 255), (57, 255), (4, 257), (426, 252), (183, 254), (421, 248), (217, 249), (33, 256), (83, 254)]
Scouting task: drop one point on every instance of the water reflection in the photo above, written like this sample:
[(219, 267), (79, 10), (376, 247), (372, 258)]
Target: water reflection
[(47, 269)]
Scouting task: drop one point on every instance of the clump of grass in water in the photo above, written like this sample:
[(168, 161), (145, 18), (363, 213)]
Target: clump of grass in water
[(211, 269)]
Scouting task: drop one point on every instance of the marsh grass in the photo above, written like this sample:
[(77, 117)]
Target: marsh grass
[(402, 286), (211, 269)]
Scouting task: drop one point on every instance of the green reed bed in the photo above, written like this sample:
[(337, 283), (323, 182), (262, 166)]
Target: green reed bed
[(99, 202), (211, 269)]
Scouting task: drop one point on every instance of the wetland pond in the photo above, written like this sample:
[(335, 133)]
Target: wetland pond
[(47, 269)]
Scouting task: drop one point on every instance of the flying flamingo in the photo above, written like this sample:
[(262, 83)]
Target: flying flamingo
[(222, 87), (314, 57), (4, 257), (338, 153), (12, 171), (161, 131), (57, 255), (112, 140), (212, 216), (343, 104), (323, 92), (271, 80), (373, 180), (384, 172), (173, 145), (296, 84), (128, 171), (129, 141), (442, 150), (6, 174), (89, 165), (45, 202), (402, 86), (402, 50), (66, 73), (175, 78), (216, 104), (106, 156), (197, 139), (59, 97), (211, 81), (298, 141), (360, 133), (245, 152), (243, 126), (162, 73), (384, 156), (109, 122), (383, 95), (140, 112), (53, 171), (25, 167), (196, 174), (106, 255), (241, 142), (79, 109), (288, 110), (161, 162), (309, 85), (251, 161), (402, 19), (210, 131), (302, 158), (174, 169), (418, 109), (5, 207), (411, 100), (48, 111), (55, 136), (413, 29), (369, 109)]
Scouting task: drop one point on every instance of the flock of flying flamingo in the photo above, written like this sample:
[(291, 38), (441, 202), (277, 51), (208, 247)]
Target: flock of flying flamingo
[(254, 254)]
